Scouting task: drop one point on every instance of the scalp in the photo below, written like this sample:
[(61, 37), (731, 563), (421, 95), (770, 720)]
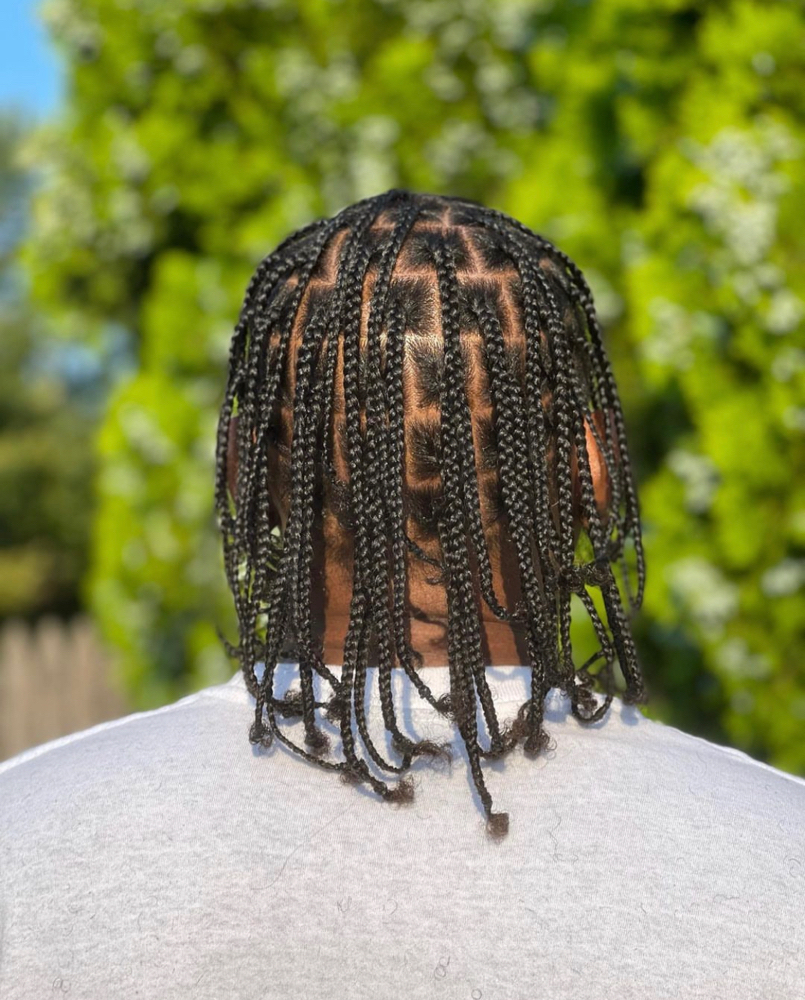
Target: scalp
[(485, 271)]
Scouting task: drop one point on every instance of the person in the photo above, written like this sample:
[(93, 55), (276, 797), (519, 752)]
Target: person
[(422, 476)]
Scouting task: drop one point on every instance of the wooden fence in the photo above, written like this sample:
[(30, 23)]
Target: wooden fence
[(55, 679)]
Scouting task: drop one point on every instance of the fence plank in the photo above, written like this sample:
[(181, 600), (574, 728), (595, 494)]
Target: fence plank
[(55, 678), (18, 704), (52, 666)]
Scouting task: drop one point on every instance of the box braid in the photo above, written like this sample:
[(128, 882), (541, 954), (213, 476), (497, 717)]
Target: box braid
[(352, 333), (537, 290), (628, 519)]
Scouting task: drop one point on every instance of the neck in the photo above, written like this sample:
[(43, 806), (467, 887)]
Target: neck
[(501, 644)]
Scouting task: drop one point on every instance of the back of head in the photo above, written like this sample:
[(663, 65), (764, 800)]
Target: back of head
[(420, 412)]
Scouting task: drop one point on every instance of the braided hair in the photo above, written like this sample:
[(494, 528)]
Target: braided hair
[(422, 378)]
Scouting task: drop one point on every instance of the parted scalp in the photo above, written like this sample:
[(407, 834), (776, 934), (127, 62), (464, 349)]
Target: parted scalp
[(487, 278)]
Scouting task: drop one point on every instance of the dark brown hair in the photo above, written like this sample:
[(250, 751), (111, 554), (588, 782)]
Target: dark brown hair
[(425, 373)]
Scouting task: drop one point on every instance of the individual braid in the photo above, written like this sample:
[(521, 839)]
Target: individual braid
[(539, 297), (348, 292), (513, 449), (380, 485), (394, 499), (580, 290), (463, 623), (449, 294), (268, 273), (540, 367)]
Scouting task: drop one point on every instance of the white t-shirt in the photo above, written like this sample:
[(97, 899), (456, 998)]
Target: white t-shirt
[(163, 856)]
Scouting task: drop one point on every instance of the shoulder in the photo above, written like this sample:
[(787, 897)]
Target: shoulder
[(724, 757), (660, 739), (121, 752), (654, 767)]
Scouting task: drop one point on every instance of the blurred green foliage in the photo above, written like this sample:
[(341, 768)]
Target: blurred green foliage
[(45, 446), (659, 143)]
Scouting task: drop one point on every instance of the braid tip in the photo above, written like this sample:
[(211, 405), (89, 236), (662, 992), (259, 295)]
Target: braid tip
[(259, 734), (497, 825), (444, 706), (291, 706), (537, 742), (336, 708), (352, 774), (636, 697), (318, 741), (434, 750), (402, 794)]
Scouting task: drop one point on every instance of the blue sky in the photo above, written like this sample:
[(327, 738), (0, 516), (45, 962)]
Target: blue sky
[(30, 77)]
